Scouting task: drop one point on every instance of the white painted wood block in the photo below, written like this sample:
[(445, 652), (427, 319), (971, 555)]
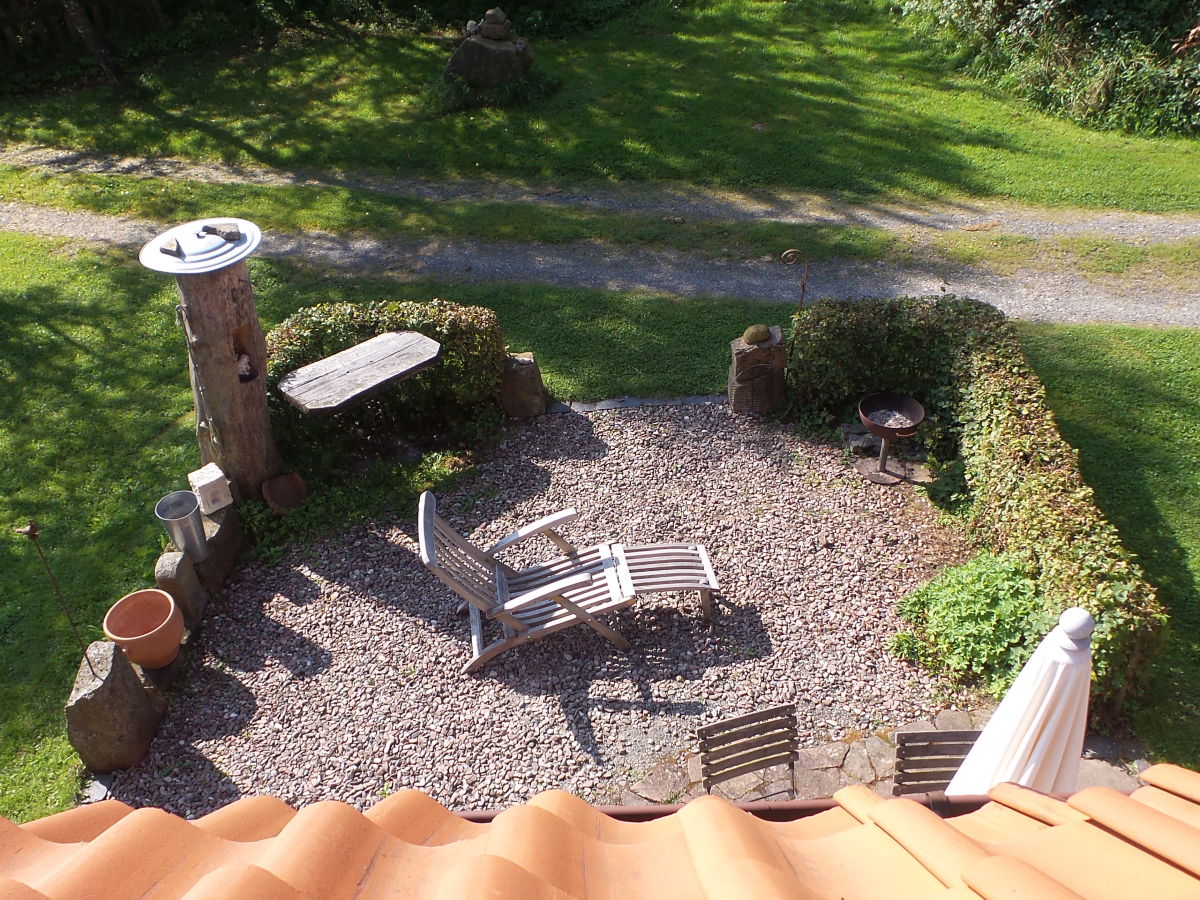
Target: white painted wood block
[(212, 487)]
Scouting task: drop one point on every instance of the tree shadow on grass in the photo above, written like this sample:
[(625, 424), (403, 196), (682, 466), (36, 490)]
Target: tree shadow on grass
[(1101, 409), (827, 99)]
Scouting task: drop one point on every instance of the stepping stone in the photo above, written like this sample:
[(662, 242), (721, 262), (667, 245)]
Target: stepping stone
[(828, 756), (662, 784), (953, 720), (857, 766), (882, 756)]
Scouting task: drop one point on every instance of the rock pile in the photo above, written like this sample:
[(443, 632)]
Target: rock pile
[(491, 55)]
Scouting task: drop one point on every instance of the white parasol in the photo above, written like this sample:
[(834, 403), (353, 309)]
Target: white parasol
[(1035, 737)]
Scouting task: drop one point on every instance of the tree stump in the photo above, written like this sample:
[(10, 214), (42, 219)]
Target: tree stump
[(756, 374), (228, 362)]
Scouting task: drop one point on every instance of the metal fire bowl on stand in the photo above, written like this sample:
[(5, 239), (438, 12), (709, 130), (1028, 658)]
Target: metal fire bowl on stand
[(896, 403)]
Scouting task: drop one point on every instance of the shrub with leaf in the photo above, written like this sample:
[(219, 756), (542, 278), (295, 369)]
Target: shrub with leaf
[(1026, 499), (456, 401)]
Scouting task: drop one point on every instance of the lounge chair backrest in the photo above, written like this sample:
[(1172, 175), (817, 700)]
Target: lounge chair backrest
[(461, 566)]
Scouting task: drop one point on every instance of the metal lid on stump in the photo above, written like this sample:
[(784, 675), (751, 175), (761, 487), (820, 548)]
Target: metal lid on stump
[(205, 245)]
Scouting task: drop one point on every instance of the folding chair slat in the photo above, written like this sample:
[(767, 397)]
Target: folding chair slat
[(787, 710), (927, 760), (735, 754), (735, 735), (754, 765)]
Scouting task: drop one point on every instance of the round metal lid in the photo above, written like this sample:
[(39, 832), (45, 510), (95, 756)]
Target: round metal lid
[(201, 246)]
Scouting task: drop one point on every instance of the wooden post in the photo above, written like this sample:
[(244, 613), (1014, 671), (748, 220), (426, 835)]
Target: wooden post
[(228, 364)]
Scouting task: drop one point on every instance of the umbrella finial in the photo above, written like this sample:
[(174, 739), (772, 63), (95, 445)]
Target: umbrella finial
[(1077, 623)]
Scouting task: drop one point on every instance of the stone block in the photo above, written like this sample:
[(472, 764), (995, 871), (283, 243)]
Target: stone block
[(827, 756), (953, 720), (112, 714), (522, 393), (694, 770), (175, 573), (857, 765), (817, 784), (738, 787), (662, 784), (211, 486), (484, 64), (225, 543), (882, 756), (913, 727)]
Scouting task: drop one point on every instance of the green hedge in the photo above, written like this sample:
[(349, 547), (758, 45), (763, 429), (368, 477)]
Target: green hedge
[(454, 401), (1026, 497)]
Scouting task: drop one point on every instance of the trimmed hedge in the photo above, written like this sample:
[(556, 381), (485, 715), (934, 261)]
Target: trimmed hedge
[(1027, 500), (456, 400)]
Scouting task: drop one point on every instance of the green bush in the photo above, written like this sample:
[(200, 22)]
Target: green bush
[(1026, 498), (453, 402), (979, 621), (1105, 63)]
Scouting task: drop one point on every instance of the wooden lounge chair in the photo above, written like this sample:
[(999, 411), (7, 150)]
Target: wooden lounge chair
[(578, 586)]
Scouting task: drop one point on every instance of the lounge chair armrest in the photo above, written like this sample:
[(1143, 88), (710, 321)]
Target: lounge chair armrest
[(546, 591), (545, 525)]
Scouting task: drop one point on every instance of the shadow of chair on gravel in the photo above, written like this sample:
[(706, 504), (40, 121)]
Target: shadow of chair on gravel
[(240, 633), (671, 644)]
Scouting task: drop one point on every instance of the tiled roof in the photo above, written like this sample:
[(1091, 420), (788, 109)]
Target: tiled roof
[(1021, 844)]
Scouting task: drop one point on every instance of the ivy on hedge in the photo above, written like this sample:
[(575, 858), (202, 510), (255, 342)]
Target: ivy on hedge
[(1027, 500), (456, 400)]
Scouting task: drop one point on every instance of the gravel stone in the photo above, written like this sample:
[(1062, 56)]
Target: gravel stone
[(336, 673)]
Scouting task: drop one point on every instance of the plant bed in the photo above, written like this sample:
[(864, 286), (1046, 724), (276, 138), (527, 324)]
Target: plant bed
[(1011, 478)]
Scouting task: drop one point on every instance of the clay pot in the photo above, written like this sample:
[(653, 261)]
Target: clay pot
[(147, 625)]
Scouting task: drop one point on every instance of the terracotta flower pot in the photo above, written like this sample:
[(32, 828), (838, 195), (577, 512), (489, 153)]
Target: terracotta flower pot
[(147, 625)]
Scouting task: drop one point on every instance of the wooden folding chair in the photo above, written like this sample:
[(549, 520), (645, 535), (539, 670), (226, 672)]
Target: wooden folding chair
[(733, 747), (927, 760)]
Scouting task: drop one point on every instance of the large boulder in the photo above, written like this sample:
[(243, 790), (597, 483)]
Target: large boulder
[(112, 714)]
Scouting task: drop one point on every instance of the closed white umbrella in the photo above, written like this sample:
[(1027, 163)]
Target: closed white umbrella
[(1035, 737)]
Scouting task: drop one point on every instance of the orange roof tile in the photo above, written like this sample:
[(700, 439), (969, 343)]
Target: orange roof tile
[(1098, 845)]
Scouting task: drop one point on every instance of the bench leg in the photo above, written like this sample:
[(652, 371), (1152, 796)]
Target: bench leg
[(706, 604)]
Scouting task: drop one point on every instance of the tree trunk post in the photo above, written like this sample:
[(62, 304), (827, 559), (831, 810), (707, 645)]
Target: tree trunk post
[(227, 352)]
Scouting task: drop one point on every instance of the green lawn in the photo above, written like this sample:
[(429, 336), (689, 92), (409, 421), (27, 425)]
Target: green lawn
[(1129, 400), (833, 96)]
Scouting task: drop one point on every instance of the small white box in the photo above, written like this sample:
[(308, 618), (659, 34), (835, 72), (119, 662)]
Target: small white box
[(212, 487)]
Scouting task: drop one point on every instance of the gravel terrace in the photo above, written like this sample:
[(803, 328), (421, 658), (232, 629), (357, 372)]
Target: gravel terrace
[(336, 674)]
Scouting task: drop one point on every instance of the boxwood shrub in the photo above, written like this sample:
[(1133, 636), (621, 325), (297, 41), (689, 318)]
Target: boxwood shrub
[(456, 401), (1025, 500)]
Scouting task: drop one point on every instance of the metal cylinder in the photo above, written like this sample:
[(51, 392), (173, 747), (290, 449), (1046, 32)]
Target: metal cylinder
[(179, 513)]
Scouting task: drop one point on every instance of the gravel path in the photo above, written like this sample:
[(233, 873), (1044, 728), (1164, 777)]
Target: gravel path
[(336, 674), (684, 200), (1035, 295)]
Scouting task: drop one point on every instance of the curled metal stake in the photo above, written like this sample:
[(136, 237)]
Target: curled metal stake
[(31, 531)]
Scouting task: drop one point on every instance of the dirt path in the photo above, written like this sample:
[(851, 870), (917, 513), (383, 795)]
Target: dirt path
[(1034, 294)]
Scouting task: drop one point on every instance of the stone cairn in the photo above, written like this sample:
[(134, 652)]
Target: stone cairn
[(491, 55)]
